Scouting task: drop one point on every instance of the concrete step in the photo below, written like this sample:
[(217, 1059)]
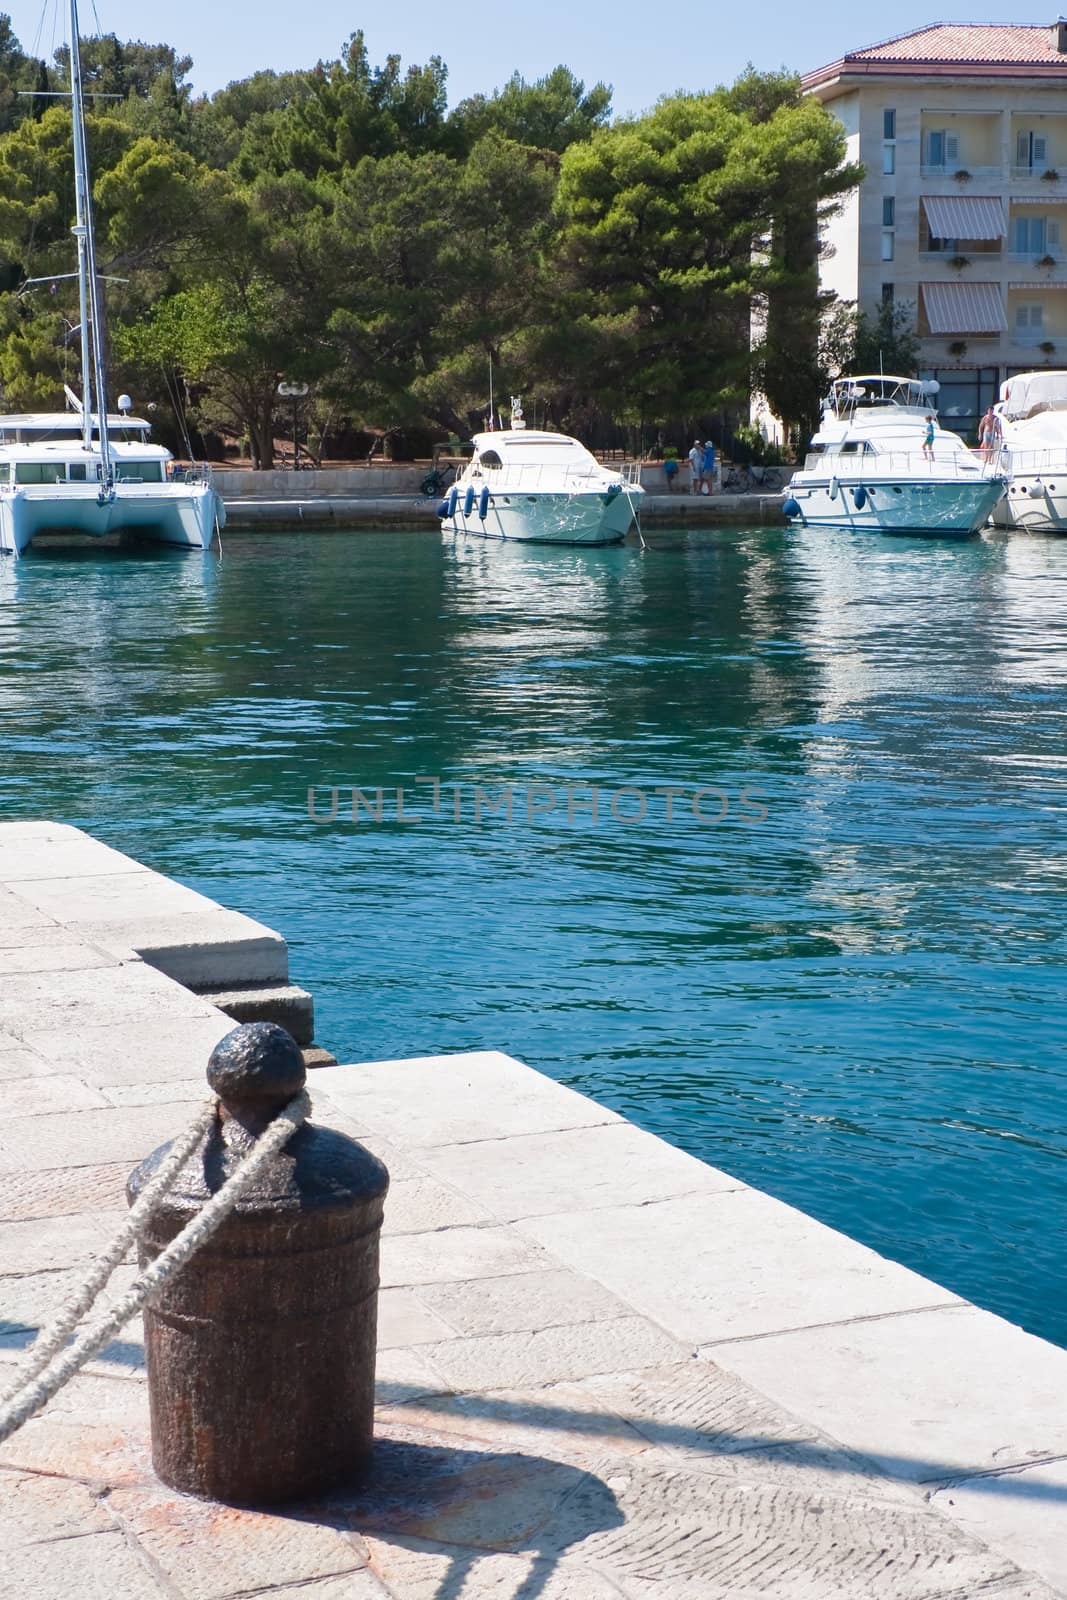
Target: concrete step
[(290, 1007)]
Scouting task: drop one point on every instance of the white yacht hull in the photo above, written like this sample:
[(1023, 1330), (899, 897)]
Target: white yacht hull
[(1036, 496), (183, 514), (949, 508), (545, 518)]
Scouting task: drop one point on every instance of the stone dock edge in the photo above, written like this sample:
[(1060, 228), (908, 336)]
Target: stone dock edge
[(606, 1370)]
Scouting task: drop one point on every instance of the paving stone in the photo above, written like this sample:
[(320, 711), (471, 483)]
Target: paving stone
[(415, 1570), (924, 1396), (37, 1002), (528, 1300), (18, 1062), (564, 1422), (553, 1355), (454, 1255), (695, 1413), (573, 1171), (89, 1138), (357, 1585), (98, 899), (424, 1485), (210, 1552), (73, 956), (200, 948), (46, 1243), (422, 1205), (729, 1265), (1011, 1512), (155, 1094), (59, 853), (39, 1095), (133, 1052), (451, 1099), (403, 1375), (404, 1320), (16, 916), (737, 1541), (34, 1509), (41, 1194), (100, 1567), (41, 934)]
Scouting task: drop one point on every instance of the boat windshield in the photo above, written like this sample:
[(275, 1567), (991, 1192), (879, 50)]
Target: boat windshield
[(864, 393)]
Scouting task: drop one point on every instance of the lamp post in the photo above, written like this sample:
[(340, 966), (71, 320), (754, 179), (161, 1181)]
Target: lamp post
[(295, 392)]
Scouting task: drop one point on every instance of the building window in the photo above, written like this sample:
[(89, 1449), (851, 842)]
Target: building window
[(887, 294), (942, 148), (887, 246), (889, 207), (1034, 235), (1031, 150), (1030, 315), (889, 158), (889, 124)]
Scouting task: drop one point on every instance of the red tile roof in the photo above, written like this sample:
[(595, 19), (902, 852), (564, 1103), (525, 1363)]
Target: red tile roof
[(990, 49), (965, 42)]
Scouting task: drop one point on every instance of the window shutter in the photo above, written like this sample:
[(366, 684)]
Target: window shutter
[(1022, 150), (1053, 232), (952, 147), (1040, 145)]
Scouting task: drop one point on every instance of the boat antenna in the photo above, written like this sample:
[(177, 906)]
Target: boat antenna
[(492, 424), (89, 299)]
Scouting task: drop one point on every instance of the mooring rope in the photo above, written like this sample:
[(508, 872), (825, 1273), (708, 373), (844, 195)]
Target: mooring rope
[(35, 1385)]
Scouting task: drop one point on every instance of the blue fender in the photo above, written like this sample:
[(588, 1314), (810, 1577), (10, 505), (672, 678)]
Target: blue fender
[(832, 491), (859, 495), (442, 508), (613, 493), (791, 507), (468, 500), (453, 497), (483, 503)]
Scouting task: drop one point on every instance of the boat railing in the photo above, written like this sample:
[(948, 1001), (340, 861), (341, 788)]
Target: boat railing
[(548, 478), (905, 464), (196, 472), (1053, 459)]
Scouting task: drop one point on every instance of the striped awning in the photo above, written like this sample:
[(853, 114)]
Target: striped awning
[(958, 216), (964, 307)]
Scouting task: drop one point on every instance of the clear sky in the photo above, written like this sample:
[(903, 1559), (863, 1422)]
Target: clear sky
[(642, 50)]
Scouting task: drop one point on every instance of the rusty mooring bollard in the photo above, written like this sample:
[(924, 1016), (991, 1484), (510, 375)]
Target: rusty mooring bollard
[(261, 1350)]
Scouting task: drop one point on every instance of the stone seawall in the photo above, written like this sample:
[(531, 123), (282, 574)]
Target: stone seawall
[(349, 512)]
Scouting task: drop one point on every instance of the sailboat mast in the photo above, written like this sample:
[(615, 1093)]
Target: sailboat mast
[(92, 330)]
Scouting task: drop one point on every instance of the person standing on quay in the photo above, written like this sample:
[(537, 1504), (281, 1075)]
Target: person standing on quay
[(696, 467), (709, 466)]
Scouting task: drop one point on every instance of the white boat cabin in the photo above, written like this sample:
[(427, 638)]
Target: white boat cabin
[(48, 448)]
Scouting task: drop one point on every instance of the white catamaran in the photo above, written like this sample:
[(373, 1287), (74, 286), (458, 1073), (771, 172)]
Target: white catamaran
[(83, 470)]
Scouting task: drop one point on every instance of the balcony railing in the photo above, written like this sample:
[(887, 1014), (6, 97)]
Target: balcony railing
[(1049, 175), (950, 169)]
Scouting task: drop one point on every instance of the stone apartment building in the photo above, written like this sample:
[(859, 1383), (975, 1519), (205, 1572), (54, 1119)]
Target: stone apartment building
[(962, 129)]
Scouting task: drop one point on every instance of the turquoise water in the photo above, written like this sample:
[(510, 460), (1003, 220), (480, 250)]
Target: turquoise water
[(856, 1003)]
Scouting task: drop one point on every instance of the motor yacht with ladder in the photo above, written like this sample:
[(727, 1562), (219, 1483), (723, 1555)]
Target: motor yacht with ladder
[(866, 467)]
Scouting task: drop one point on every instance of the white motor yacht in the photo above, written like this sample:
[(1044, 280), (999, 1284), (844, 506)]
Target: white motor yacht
[(85, 471), (866, 467), (1033, 451), (540, 488)]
